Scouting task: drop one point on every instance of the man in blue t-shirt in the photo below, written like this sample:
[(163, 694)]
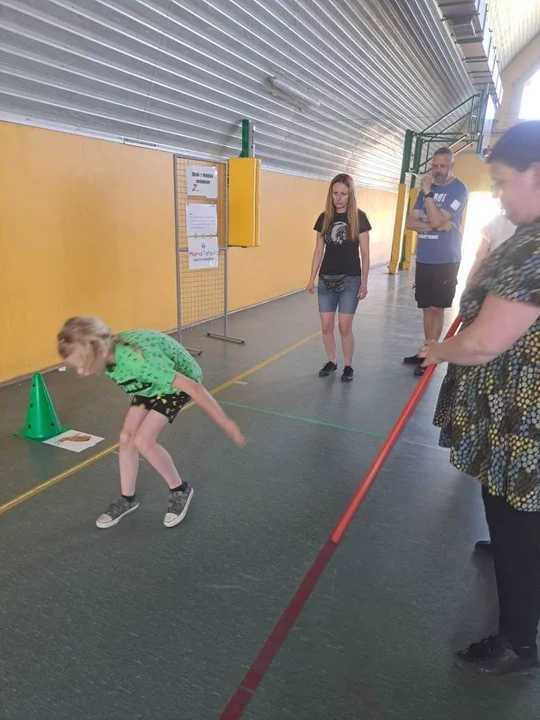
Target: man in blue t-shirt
[(437, 216)]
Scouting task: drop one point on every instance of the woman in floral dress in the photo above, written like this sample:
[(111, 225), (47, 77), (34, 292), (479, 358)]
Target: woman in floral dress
[(489, 404)]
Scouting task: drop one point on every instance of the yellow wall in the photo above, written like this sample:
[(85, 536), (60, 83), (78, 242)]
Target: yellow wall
[(87, 227), (380, 208), (473, 171), (289, 208)]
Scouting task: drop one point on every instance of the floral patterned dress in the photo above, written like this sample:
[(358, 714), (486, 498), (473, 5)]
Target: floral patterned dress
[(489, 414)]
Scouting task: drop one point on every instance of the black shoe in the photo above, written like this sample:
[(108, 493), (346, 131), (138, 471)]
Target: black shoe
[(348, 374), (495, 656), (483, 546), (328, 369), (419, 371), (413, 360)]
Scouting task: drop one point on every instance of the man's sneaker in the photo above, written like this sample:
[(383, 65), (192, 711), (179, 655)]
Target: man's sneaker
[(328, 369), (420, 371), (116, 512), (348, 374), (483, 546), (177, 508), (495, 656), (413, 360)]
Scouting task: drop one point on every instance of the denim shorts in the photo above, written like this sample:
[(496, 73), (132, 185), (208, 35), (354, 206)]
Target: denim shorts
[(345, 301)]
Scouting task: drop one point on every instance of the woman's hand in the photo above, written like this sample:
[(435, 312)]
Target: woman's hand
[(232, 430), (428, 352), (363, 291), (311, 287)]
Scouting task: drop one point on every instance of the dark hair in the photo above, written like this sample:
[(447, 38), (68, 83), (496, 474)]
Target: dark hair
[(444, 151), (519, 147)]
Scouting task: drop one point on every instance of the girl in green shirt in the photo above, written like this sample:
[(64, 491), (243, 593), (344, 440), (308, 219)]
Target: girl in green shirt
[(163, 377)]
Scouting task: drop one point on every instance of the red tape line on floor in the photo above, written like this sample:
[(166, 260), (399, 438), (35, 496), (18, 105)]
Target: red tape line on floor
[(252, 679)]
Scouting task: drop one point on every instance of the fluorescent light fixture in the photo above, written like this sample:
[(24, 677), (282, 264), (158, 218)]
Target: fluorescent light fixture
[(291, 93)]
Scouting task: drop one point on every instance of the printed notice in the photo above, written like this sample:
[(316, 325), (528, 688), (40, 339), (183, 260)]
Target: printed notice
[(201, 219), (202, 181), (203, 253)]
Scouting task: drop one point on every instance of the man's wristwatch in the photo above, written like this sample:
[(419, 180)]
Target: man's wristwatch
[(429, 194)]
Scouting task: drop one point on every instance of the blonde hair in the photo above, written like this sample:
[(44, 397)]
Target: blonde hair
[(89, 336), (352, 209)]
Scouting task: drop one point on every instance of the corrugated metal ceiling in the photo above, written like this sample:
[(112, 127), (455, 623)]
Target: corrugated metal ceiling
[(182, 74)]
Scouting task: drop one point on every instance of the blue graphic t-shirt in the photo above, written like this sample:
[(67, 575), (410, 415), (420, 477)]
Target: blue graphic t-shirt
[(436, 247)]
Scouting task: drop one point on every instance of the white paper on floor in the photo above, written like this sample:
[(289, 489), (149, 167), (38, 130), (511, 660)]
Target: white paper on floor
[(74, 440)]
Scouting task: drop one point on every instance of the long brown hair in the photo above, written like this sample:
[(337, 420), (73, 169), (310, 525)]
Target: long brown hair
[(352, 209)]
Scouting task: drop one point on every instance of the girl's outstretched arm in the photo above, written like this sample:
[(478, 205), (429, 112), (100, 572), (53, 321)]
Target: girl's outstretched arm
[(206, 402)]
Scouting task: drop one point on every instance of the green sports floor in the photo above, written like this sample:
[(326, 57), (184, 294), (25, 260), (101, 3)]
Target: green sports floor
[(141, 622)]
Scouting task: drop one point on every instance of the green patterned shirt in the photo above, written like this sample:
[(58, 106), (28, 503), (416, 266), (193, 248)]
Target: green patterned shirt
[(151, 371), (489, 414)]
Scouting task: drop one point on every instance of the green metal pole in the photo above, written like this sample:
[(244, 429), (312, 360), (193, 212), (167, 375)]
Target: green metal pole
[(480, 112), (481, 119), (398, 224), (423, 165), (443, 117), (247, 130), (417, 156), (406, 160)]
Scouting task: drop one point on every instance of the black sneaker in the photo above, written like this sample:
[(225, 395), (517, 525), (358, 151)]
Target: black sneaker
[(420, 371), (483, 546), (328, 369), (116, 511), (177, 506), (413, 360), (495, 656), (348, 374)]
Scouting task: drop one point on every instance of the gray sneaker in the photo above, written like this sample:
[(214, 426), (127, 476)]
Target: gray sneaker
[(116, 512), (178, 506)]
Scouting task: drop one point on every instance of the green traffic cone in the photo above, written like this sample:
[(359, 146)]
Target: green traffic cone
[(41, 420)]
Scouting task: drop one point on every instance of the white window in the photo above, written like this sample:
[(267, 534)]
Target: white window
[(530, 100)]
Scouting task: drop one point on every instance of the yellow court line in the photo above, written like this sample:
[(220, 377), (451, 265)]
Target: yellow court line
[(56, 479), (85, 463)]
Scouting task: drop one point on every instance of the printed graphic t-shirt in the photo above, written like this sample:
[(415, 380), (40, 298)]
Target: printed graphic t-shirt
[(341, 256), (436, 247), (154, 372), (488, 414)]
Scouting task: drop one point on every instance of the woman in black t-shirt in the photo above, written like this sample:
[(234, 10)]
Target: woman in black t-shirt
[(342, 237)]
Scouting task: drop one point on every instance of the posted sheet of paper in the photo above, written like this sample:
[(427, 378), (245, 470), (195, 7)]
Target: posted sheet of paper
[(202, 181), (201, 219), (74, 440), (203, 253)]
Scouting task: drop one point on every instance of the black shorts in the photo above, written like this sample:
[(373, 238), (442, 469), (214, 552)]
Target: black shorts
[(435, 285), (168, 405)]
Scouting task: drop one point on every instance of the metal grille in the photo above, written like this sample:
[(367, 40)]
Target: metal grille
[(201, 293)]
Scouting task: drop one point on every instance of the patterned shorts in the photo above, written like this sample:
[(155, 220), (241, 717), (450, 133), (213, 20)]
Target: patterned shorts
[(168, 405)]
